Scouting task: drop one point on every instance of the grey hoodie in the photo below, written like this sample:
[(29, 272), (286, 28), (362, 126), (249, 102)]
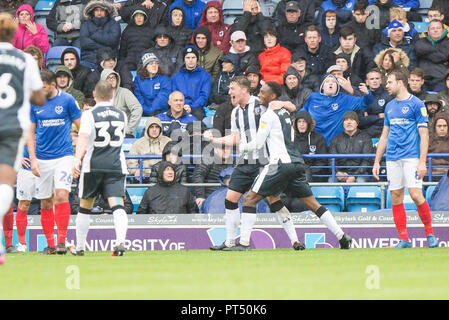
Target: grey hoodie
[(126, 101)]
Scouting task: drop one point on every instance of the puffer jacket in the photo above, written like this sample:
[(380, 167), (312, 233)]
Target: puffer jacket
[(152, 93), (274, 62), (98, 33), (209, 56), (180, 34), (64, 11), (439, 145), (220, 31), (297, 95), (408, 49), (402, 65), (157, 14), (147, 146), (180, 169), (24, 38)]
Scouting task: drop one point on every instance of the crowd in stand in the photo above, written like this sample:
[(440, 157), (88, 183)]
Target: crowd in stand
[(331, 57)]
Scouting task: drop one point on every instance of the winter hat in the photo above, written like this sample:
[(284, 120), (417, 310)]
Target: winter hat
[(395, 24), (190, 49), (149, 57), (351, 115)]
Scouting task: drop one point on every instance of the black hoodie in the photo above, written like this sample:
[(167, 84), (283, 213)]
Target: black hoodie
[(180, 34), (180, 169), (79, 73), (157, 14), (297, 95)]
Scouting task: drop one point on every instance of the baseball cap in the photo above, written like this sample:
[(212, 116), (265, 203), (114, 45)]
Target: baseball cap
[(351, 115), (334, 68), (149, 57), (238, 35), (395, 24), (292, 6)]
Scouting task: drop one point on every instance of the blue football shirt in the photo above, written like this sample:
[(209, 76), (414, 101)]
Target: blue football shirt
[(404, 118), (53, 124)]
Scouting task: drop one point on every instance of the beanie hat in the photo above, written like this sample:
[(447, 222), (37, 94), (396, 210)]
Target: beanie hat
[(395, 24), (148, 57), (351, 115), (190, 49)]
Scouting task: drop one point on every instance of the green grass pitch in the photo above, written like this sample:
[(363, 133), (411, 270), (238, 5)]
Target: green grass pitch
[(418, 273)]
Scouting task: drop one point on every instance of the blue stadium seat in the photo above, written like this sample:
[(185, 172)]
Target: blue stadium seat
[(44, 5), (375, 142), (267, 7), (424, 6), (363, 199), (141, 126), (233, 7), (420, 26), (134, 73), (408, 201), (136, 195), (53, 56), (122, 26), (127, 143), (331, 197), (429, 191)]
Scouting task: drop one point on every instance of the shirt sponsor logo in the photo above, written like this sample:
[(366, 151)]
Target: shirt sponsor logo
[(399, 121)]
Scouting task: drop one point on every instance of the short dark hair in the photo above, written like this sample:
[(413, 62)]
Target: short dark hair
[(436, 21), (270, 31), (400, 76), (346, 31), (376, 70), (360, 5), (417, 72), (48, 76), (275, 88), (89, 101), (242, 81), (435, 7)]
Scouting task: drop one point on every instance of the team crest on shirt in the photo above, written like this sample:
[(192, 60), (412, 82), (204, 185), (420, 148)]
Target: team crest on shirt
[(59, 109), (335, 106), (257, 110), (221, 33), (157, 86), (312, 148), (405, 110), (381, 102), (348, 5)]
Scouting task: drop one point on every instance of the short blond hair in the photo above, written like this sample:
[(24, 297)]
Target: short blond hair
[(397, 12), (8, 27), (103, 90)]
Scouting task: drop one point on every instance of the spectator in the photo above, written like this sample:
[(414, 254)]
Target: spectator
[(371, 121), (366, 37), (275, 59), (435, 13), (332, 105), (306, 7), (215, 202), (177, 29), (330, 29), (443, 95), (222, 117), (156, 11), (444, 8), (361, 59), (209, 172), (343, 9), (239, 48), (152, 86), (209, 54), (193, 82), (228, 70), (400, 15), (318, 56), (308, 80), (390, 60), (172, 153), (193, 10), (344, 61), (383, 7), (136, 38), (36, 53), (439, 143), (252, 73), (88, 103), (291, 28), (151, 143), (213, 19), (64, 82), (167, 196), (352, 140), (345, 83), (433, 106), (71, 60), (292, 90), (124, 100), (311, 142), (433, 55), (177, 117), (253, 23), (396, 40), (65, 19), (107, 59), (409, 7), (416, 83), (99, 30), (28, 32)]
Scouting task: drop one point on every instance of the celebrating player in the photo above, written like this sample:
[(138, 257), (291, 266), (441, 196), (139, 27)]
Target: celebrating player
[(405, 138), (19, 84), (103, 168), (286, 169), (51, 155)]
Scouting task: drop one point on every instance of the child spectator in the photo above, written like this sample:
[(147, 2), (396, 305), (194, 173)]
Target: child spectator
[(330, 29)]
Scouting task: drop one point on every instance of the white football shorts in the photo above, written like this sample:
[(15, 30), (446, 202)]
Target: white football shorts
[(403, 174), (54, 174), (25, 185)]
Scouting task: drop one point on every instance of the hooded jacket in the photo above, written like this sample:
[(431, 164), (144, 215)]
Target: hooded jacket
[(147, 146), (79, 73), (157, 14), (274, 62), (220, 31), (297, 95), (167, 198), (24, 38), (135, 40), (180, 169), (181, 34), (366, 38), (210, 55), (439, 145), (311, 142), (220, 87), (403, 64), (361, 60), (66, 11), (77, 94), (193, 12), (153, 93), (126, 101), (408, 49), (328, 111), (98, 33), (307, 12), (343, 8)]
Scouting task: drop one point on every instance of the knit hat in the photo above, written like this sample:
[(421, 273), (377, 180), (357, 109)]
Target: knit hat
[(190, 49), (149, 57), (351, 115), (253, 69), (345, 56), (395, 24)]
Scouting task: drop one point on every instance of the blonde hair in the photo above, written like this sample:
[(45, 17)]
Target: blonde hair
[(397, 12), (8, 27)]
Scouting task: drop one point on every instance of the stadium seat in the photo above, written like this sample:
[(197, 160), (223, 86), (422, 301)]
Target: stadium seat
[(44, 5), (363, 199), (233, 7), (332, 197), (127, 143), (141, 127), (134, 73), (408, 201), (136, 195), (122, 26), (420, 26), (429, 191), (267, 7), (375, 142)]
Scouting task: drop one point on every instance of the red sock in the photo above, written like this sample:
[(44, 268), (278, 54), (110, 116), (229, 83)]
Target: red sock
[(8, 226), (48, 226), (21, 224), (426, 218), (62, 218), (400, 220)]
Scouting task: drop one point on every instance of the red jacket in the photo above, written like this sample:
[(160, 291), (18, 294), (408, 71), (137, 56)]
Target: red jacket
[(274, 63), (24, 38), (220, 31)]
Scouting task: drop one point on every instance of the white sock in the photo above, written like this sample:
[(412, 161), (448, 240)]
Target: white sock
[(248, 221), (328, 220), (121, 225), (82, 229), (6, 197), (288, 226), (232, 219)]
